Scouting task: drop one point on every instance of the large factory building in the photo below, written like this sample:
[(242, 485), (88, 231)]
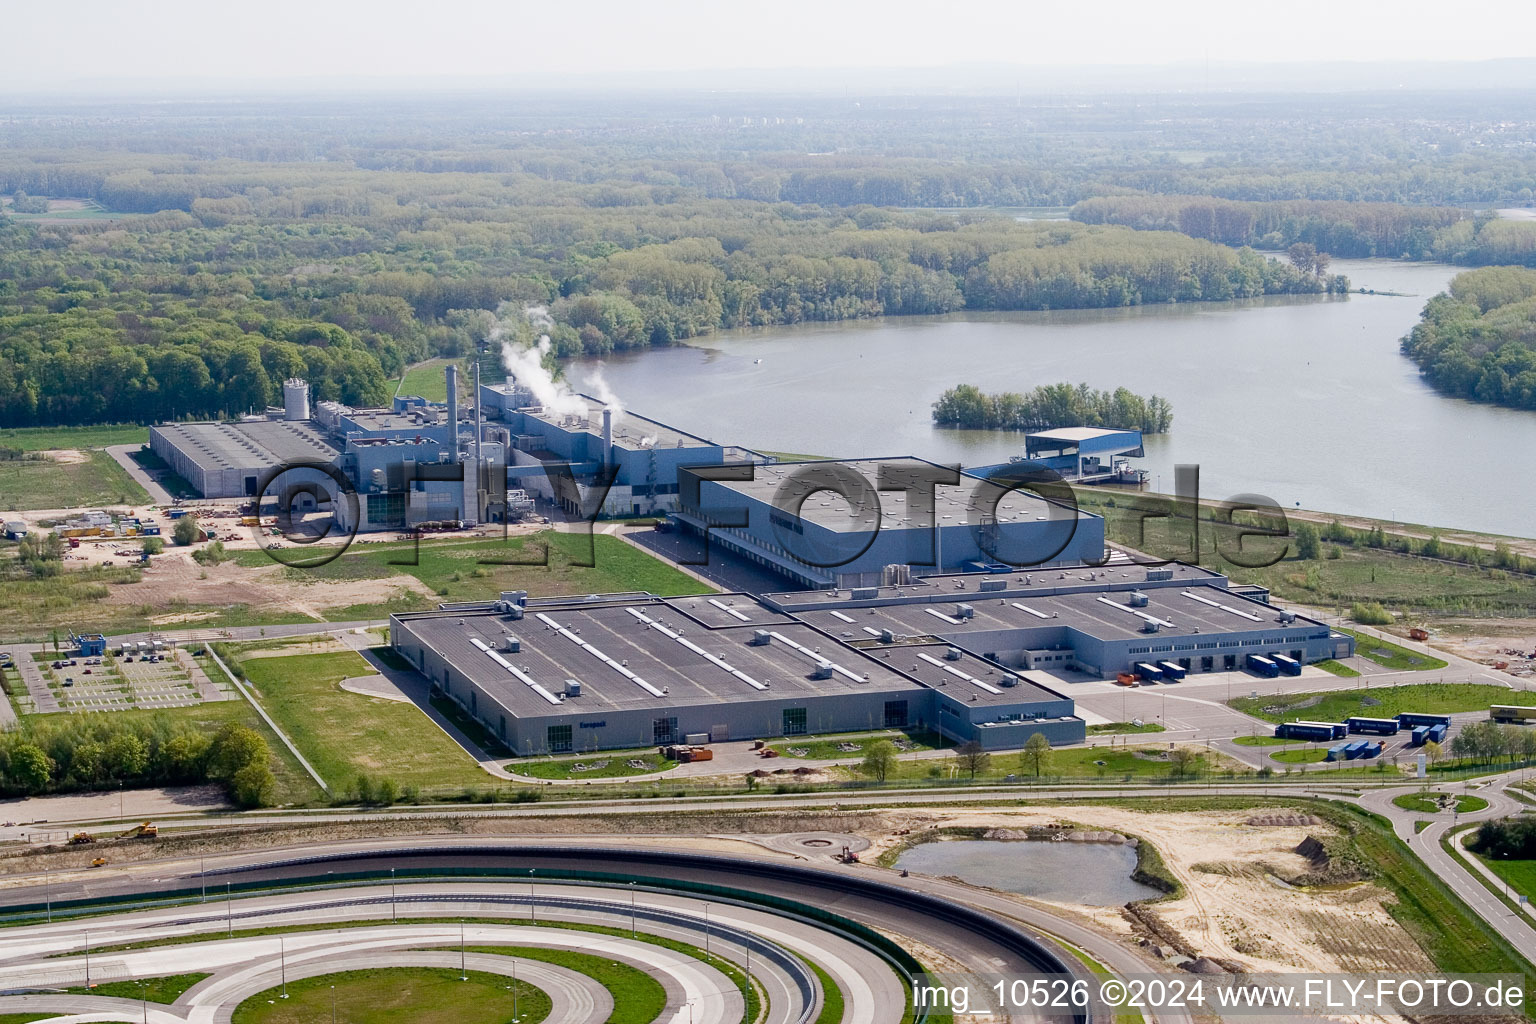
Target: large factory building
[(983, 657)]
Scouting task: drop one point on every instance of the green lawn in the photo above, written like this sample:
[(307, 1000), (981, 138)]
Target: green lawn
[(1391, 655), (1307, 755), (36, 439), (1120, 728), (469, 570), (1374, 702), (345, 734), (1262, 741), (610, 765), (828, 748), (43, 483), (426, 380), (397, 995), (638, 998), (1337, 668), (155, 990), (1520, 874), (1428, 803)]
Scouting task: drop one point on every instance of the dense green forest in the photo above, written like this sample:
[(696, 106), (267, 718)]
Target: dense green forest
[(1478, 340), (1051, 406), (214, 248), (1347, 229)]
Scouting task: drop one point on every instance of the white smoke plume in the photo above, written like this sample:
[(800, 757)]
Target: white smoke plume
[(526, 363), (604, 393)]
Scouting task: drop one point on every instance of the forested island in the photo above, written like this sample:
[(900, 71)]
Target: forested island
[(1478, 340), (1052, 406)]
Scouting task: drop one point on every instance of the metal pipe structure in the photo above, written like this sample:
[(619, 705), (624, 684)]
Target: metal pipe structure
[(452, 374)]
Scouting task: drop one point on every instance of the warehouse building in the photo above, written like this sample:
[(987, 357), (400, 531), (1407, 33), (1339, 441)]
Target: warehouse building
[(983, 657)]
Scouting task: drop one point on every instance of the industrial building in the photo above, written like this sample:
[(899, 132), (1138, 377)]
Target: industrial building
[(824, 524), (973, 657)]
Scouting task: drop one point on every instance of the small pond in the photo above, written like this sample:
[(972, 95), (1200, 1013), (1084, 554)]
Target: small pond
[(1093, 874)]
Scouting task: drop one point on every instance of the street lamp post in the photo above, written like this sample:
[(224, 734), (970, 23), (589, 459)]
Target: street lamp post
[(631, 909), (202, 877), (463, 975), (282, 960), (333, 1004), (87, 961), (394, 915), (229, 913), (706, 931), (533, 915), (48, 892)]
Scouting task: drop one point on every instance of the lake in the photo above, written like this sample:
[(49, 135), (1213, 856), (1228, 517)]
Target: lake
[(1092, 874), (1303, 399)]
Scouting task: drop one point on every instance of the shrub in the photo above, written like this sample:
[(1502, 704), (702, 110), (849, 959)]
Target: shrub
[(1370, 613)]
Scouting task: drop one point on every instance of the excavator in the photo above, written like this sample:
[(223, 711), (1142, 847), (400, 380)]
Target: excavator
[(148, 830)]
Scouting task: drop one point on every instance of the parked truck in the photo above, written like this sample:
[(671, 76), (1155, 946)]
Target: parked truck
[(1374, 726), (1311, 731), (1260, 665)]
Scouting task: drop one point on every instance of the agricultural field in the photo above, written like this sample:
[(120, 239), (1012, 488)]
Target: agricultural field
[(346, 735), (1374, 702), (67, 479)]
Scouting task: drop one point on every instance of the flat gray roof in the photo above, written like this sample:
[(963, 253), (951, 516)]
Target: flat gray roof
[(249, 444), (384, 419), (1107, 615), (967, 679), (630, 429), (784, 484), (615, 640)]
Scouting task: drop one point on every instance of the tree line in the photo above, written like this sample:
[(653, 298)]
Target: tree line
[(1478, 339), (1051, 406), (71, 753)]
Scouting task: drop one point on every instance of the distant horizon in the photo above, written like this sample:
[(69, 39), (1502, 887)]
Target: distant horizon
[(1186, 76)]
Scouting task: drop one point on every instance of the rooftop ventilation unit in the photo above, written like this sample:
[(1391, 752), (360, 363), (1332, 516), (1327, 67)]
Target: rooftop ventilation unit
[(1286, 615), (964, 611), (1148, 626), (760, 638), (1155, 575), (952, 654), (887, 636), (823, 670), (991, 585), (1009, 680), (512, 643), (864, 593), (573, 688), (1138, 599)]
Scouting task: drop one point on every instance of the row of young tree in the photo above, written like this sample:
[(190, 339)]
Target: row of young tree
[(1478, 340), (1052, 406), (1506, 839), (70, 753)]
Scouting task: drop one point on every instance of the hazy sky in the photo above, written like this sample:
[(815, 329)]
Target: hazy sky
[(66, 43)]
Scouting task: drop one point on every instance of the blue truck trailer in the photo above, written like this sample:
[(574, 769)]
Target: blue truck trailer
[(1149, 672), (1336, 753), (1418, 736), (1260, 665), (1373, 726), (1410, 719), (1311, 731), (1437, 733), (1172, 671), (1286, 664)]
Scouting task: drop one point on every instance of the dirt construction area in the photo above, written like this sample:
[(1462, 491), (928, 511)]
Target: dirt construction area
[(1240, 903)]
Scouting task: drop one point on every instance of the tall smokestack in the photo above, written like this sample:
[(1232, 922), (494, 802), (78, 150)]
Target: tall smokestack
[(607, 436), (452, 374), (477, 413)]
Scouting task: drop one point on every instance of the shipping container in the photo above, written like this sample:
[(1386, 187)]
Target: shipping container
[(1172, 670), (1373, 726), (1355, 749), (1437, 733), (1336, 753), (1261, 665), (1418, 736), (1410, 719), (1372, 749)]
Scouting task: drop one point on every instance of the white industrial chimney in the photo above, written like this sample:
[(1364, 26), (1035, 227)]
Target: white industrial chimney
[(607, 436), (452, 374), (295, 399)]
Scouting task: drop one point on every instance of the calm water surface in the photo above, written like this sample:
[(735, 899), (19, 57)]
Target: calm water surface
[(1093, 874), (1304, 399)]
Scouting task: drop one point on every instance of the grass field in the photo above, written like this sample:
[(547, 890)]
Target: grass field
[(1337, 668), (607, 765), (1141, 762), (1262, 741), (1398, 581), (426, 380), (345, 734), (399, 995), (155, 990), (827, 748), (1306, 755), (1391, 655), (36, 439), (1520, 874), (1376, 702), (638, 998), (1119, 728), (43, 483), (468, 570)]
